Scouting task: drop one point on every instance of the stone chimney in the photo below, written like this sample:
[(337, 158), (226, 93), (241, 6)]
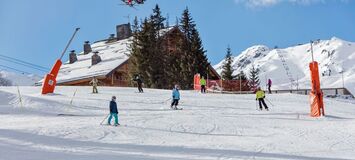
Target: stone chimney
[(111, 38), (72, 57), (123, 31), (87, 47), (95, 59)]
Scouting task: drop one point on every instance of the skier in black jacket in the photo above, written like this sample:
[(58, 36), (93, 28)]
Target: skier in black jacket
[(139, 83), (113, 111)]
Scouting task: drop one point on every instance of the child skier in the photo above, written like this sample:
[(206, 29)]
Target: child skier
[(113, 111), (260, 95), (176, 97), (94, 82)]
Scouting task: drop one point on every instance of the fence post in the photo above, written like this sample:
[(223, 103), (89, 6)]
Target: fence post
[(71, 101), (19, 94)]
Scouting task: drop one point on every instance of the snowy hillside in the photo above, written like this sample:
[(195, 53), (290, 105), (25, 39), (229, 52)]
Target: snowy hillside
[(20, 79), (211, 126), (334, 56)]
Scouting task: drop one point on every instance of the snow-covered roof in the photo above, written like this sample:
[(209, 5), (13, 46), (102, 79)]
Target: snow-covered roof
[(112, 55)]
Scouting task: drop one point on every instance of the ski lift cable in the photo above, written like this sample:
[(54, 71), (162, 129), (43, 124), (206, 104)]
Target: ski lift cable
[(21, 61), (24, 72), (26, 65)]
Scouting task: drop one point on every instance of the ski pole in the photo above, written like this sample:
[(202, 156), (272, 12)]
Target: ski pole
[(270, 102), (104, 119), (256, 104)]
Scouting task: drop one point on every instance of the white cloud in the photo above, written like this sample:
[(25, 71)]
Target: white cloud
[(268, 3)]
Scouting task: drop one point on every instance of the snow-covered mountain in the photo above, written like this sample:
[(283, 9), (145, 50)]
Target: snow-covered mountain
[(290, 65), (20, 79)]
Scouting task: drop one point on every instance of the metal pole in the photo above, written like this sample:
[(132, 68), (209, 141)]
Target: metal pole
[(342, 77), (240, 84), (66, 47), (312, 50)]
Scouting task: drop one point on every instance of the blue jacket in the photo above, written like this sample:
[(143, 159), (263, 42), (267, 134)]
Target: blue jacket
[(176, 94), (113, 107)]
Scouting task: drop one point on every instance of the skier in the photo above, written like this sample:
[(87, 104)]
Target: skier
[(94, 82), (176, 97), (260, 95), (269, 83), (139, 83), (113, 111), (203, 84)]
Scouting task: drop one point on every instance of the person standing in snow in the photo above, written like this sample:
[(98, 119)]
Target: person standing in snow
[(94, 82), (113, 111), (176, 97), (269, 83), (203, 84), (260, 95), (139, 83)]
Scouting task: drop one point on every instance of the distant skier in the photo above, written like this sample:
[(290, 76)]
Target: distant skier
[(269, 83), (139, 81), (260, 95), (113, 111), (203, 84), (176, 97), (94, 82)]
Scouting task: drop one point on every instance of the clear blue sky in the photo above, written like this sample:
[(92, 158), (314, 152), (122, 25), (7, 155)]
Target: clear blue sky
[(38, 30)]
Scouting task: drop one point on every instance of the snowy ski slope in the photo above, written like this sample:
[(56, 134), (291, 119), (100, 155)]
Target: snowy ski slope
[(334, 56), (211, 126)]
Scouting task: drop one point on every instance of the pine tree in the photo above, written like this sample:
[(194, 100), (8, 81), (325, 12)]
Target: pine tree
[(157, 19), (158, 57), (193, 58), (136, 58), (227, 72), (254, 81), (200, 60)]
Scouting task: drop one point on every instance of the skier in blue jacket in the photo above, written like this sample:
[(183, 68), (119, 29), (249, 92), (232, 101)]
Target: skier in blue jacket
[(176, 97), (113, 111)]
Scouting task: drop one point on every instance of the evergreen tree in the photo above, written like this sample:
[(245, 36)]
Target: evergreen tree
[(158, 56), (254, 81), (200, 60), (157, 19), (136, 57), (193, 58), (227, 72)]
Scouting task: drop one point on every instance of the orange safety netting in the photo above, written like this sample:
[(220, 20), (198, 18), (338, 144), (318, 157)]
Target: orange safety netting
[(223, 85)]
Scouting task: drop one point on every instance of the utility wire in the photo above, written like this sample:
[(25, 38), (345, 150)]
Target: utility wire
[(23, 72), (19, 60), (23, 63)]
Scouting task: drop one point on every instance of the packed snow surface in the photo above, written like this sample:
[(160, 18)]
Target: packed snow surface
[(210, 126), (336, 59)]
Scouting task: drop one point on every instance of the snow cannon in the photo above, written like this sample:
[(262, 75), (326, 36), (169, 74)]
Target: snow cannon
[(50, 81), (316, 94)]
